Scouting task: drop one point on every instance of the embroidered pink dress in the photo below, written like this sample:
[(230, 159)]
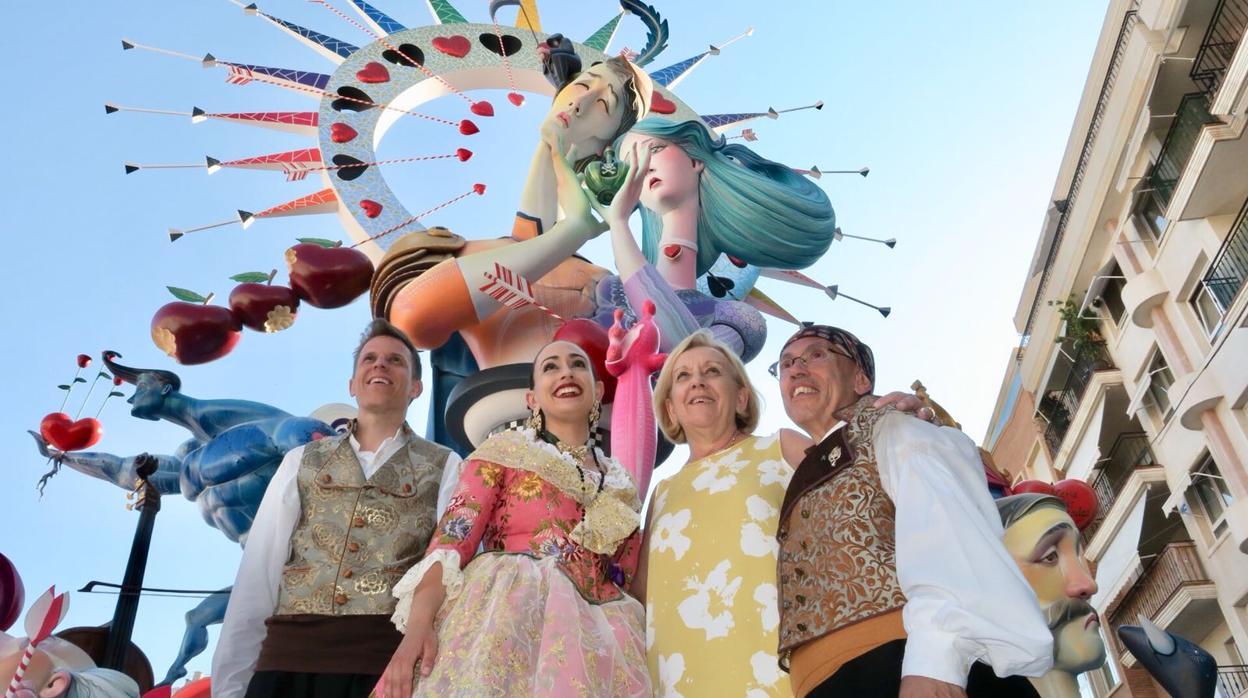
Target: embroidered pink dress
[(540, 610)]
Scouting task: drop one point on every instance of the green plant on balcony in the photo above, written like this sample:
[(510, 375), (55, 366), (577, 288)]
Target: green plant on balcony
[(1082, 333)]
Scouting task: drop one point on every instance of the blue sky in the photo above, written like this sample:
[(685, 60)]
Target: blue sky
[(961, 110)]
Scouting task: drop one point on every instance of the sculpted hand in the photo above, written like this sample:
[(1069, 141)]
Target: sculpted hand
[(44, 451), (627, 198), (924, 687), (572, 197), (419, 645), (908, 403)]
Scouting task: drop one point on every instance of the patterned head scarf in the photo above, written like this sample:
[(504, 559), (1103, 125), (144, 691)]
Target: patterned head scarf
[(847, 342)]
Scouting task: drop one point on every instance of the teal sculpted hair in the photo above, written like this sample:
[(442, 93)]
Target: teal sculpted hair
[(754, 209)]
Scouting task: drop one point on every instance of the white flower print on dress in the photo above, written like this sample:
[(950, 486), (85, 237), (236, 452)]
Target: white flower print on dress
[(758, 535), (649, 625), (766, 669), (660, 499), (774, 472), (669, 533), (766, 595), (671, 670), (709, 608), (719, 474)]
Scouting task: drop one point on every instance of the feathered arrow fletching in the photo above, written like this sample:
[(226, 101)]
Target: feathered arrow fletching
[(656, 30)]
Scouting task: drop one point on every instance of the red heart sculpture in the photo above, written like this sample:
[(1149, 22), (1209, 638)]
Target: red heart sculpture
[(467, 128), (373, 73), (515, 98), (479, 188), (372, 209), (463, 154), (672, 251), (67, 435), (457, 46), (482, 108), (1034, 487), (661, 105), (342, 133)]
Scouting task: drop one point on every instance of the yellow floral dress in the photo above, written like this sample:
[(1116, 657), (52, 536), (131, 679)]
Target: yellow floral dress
[(711, 600)]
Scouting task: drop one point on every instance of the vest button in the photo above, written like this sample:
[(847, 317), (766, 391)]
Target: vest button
[(407, 487), (799, 572), (353, 547), (326, 478), (805, 513), (358, 522), (801, 599), (348, 573), (787, 605), (801, 627), (341, 599)]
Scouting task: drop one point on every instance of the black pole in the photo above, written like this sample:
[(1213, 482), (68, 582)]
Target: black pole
[(122, 627)]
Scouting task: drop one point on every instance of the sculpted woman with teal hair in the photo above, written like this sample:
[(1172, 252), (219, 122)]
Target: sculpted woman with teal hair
[(700, 198)]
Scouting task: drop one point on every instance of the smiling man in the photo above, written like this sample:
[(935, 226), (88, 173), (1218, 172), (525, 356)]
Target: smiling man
[(893, 576), (342, 520)]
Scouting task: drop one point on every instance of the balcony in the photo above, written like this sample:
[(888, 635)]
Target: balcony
[(1058, 407), (1218, 48), (1175, 592), (1191, 116), (1130, 452), (1230, 267), (1233, 680)]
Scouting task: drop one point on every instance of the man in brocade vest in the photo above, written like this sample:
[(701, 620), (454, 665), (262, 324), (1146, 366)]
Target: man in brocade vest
[(893, 578), (342, 520)]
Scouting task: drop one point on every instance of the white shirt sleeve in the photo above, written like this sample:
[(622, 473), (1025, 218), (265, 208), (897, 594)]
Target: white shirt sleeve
[(966, 599), (450, 480), (254, 597)]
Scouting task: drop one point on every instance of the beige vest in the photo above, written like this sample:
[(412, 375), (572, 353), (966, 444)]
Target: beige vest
[(355, 537), (837, 563)]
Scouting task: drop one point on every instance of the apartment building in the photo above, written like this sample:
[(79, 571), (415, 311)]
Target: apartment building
[(1132, 369)]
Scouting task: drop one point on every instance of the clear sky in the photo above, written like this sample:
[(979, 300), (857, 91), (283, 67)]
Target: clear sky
[(962, 111)]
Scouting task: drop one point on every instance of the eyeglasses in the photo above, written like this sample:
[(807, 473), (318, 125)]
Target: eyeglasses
[(813, 356)]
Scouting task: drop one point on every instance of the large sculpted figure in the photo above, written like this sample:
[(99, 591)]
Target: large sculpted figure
[(234, 449), (1043, 540), (431, 303)]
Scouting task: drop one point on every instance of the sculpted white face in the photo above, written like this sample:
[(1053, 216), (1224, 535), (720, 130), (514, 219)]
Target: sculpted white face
[(587, 112), (672, 177)]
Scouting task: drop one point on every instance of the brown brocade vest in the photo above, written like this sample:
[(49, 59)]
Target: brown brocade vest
[(355, 537), (837, 535)]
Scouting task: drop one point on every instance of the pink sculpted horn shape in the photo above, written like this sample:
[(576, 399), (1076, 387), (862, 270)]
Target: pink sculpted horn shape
[(632, 357)]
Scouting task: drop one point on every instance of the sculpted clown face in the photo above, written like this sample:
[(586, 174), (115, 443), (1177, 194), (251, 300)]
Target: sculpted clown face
[(1044, 542), (589, 110), (672, 177)]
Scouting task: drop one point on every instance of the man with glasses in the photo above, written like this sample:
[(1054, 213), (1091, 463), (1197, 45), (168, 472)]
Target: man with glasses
[(893, 576)]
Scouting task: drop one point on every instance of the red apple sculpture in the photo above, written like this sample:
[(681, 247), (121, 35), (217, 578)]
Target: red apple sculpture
[(261, 306), (326, 274), (193, 332), (591, 337), (12, 593), (1080, 500), (1034, 487)]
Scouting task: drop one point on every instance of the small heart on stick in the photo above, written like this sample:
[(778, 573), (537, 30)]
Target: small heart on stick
[(463, 154), (515, 98), (456, 46), (468, 128), (482, 108), (479, 188), (373, 73), (342, 133), (372, 209)]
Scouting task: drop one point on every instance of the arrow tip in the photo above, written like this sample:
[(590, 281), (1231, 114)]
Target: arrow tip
[(198, 115), (110, 108), (885, 311), (208, 60), (865, 171), (212, 164), (819, 105), (126, 44), (772, 113), (131, 168), (831, 291), (891, 242), (174, 234), (246, 218)]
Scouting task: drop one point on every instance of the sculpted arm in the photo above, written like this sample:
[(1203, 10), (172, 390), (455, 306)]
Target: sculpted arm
[(118, 470)]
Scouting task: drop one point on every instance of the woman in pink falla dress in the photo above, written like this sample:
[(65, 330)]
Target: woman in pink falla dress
[(540, 610)]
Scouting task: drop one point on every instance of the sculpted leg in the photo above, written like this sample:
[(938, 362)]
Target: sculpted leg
[(210, 611)]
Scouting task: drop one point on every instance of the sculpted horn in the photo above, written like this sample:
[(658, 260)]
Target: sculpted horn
[(131, 375)]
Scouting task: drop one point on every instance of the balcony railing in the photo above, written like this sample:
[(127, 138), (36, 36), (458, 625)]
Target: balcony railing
[(1059, 406), (1233, 679), (1130, 451), (1191, 117), (1226, 29), (1177, 566), (1229, 269)]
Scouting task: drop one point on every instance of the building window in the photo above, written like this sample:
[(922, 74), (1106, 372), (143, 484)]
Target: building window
[(1150, 214), (1111, 296), (1160, 378), (1212, 493), (1208, 309)]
